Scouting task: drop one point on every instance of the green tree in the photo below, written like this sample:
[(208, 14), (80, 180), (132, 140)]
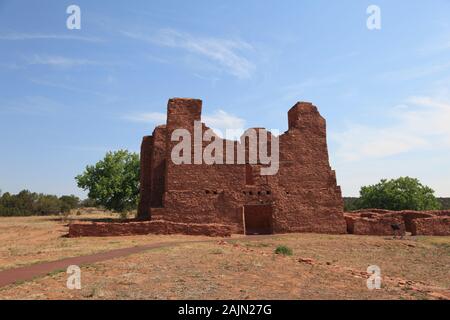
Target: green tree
[(69, 202), (114, 181), (404, 193), (47, 204), (88, 203)]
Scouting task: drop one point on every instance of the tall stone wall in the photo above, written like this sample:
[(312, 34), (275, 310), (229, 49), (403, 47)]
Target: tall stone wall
[(303, 194), (146, 177), (309, 199)]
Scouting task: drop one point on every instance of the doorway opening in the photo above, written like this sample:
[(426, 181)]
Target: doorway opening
[(258, 219)]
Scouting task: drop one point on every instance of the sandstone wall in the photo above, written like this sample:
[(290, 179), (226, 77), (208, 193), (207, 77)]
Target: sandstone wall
[(304, 195), (110, 229), (373, 224), (145, 177), (377, 222), (435, 226)]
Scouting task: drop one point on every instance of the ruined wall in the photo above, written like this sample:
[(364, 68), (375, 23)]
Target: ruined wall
[(308, 198), (373, 223), (434, 226), (377, 222), (145, 178), (111, 229), (158, 166), (304, 195), (198, 193)]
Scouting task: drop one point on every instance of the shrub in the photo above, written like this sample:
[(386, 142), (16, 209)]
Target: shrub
[(47, 205), (284, 250), (88, 203), (27, 203), (69, 202)]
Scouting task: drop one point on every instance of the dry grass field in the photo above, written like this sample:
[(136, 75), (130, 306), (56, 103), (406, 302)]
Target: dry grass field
[(321, 267)]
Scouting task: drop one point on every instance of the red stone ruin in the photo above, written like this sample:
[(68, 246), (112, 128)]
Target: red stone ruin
[(301, 197), (221, 199), (379, 222)]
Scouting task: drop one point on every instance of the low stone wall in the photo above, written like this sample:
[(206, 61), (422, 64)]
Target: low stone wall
[(435, 226), (109, 229), (373, 224), (378, 222)]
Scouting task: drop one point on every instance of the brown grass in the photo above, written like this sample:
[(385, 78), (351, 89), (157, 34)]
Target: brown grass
[(30, 240), (321, 267)]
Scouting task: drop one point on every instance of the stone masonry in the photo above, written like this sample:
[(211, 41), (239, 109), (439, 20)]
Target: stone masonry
[(302, 197), (225, 199)]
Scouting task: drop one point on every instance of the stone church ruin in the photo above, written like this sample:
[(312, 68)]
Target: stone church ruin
[(220, 199), (301, 197)]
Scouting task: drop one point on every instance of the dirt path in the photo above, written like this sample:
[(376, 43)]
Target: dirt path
[(27, 273)]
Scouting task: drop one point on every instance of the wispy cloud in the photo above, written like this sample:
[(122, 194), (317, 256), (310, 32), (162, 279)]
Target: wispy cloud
[(223, 121), (228, 54), (415, 72), (296, 90), (10, 65), (58, 61), (71, 87), (42, 36), (421, 123), (32, 106), (219, 120), (147, 117), (437, 44)]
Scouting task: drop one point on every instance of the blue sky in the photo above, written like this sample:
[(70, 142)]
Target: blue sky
[(68, 96)]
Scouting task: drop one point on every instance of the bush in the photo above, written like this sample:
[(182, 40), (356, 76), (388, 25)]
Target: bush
[(10, 212), (351, 204), (397, 194), (26, 203), (47, 205), (284, 250), (88, 203), (445, 203), (69, 202)]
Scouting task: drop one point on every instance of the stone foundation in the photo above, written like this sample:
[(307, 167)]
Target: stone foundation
[(378, 222), (110, 229), (373, 224), (435, 226)]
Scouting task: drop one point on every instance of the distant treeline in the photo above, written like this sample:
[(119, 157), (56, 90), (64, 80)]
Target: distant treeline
[(351, 203), (27, 203)]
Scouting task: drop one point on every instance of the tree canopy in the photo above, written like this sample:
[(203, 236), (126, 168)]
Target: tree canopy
[(404, 193), (27, 203), (113, 182)]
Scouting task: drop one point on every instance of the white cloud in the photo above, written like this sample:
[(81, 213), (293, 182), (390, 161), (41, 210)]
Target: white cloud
[(420, 125), (228, 54), (148, 117), (58, 61), (69, 87), (31, 105), (219, 121), (437, 45), (10, 65), (415, 72), (297, 90), (41, 36), (223, 121)]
